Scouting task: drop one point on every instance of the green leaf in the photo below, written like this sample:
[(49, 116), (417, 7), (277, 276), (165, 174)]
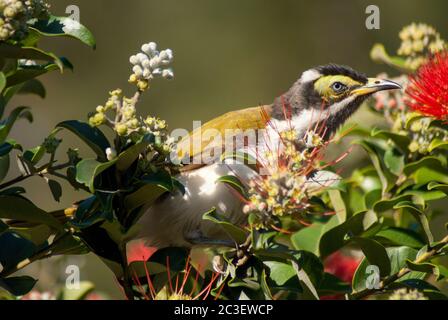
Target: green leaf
[(376, 153), (15, 249), (56, 189), (338, 205), (402, 142), (30, 53), (394, 161), (21, 209), (234, 183), (33, 86), (64, 26), (375, 253), (397, 256), (93, 137), (399, 237), (33, 156), (18, 286), (385, 205), (308, 238), (128, 157), (427, 170), (338, 237), (37, 234), (2, 82), (280, 272), (154, 186), (438, 144), (235, 233), (438, 186), (423, 267), (419, 215), (371, 198), (87, 170), (331, 285), (5, 149), (6, 126), (241, 157), (309, 290)]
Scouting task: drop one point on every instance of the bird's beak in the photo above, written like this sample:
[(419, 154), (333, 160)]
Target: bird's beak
[(374, 85)]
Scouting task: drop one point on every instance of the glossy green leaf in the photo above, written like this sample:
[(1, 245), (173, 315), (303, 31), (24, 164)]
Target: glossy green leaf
[(280, 272), (6, 126), (399, 237), (338, 237), (376, 154), (375, 253), (30, 53), (35, 87), (397, 256), (234, 183), (2, 81), (87, 171), (56, 189), (235, 233), (385, 205), (402, 142), (93, 137), (153, 187), (394, 161), (64, 26), (419, 215), (308, 238), (15, 249), (18, 286), (21, 209), (129, 156)]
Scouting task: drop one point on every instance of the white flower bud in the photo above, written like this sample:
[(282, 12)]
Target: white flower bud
[(138, 70), (111, 154), (133, 60), (146, 63), (141, 57), (168, 74), (146, 73), (154, 62), (149, 48), (157, 72)]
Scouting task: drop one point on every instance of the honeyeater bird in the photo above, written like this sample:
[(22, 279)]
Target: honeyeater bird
[(176, 219)]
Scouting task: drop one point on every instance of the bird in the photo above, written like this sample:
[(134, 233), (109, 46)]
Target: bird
[(176, 220)]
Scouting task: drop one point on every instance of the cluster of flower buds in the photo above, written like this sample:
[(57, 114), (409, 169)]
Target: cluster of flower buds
[(120, 113), (51, 144), (284, 189), (418, 41), (149, 64), (15, 14), (407, 294)]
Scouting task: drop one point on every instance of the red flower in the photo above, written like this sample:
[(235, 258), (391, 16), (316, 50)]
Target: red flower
[(428, 88), (342, 266)]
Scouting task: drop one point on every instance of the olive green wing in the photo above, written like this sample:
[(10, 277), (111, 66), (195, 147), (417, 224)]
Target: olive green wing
[(202, 140)]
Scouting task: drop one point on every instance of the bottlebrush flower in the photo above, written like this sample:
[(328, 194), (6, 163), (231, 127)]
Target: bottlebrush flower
[(176, 288), (427, 92)]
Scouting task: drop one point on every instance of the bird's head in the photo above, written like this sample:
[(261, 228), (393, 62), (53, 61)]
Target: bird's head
[(330, 94)]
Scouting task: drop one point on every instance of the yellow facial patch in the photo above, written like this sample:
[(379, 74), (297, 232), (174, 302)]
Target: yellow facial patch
[(325, 83)]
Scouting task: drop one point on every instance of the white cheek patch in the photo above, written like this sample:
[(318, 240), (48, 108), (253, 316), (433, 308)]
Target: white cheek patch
[(310, 75)]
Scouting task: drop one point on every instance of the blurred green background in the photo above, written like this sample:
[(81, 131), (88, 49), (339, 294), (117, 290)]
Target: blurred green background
[(228, 54)]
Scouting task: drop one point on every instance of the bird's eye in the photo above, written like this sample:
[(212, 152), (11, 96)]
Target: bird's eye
[(338, 87)]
